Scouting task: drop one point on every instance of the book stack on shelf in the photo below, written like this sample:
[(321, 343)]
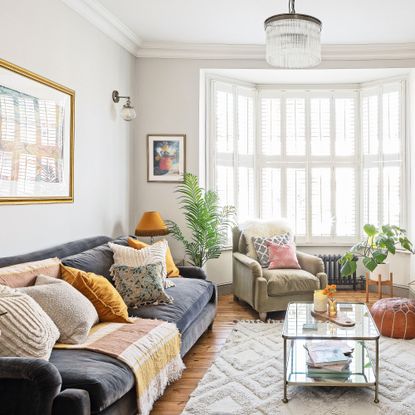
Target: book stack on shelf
[(329, 359)]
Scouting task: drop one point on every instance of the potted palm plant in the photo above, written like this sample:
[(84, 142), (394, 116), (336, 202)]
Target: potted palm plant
[(207, 221), (374, 249)]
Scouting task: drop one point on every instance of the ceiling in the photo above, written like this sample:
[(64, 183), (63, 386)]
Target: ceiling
[(241, 21)]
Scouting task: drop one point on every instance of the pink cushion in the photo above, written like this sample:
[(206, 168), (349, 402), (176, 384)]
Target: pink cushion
[(282, 256)]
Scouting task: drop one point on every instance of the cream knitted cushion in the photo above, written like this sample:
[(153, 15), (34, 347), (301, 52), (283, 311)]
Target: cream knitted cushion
[(71, 311), (26, 330), (152, 254)]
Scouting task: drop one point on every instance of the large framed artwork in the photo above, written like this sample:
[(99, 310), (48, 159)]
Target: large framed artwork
[(166, 157), (36, 138)]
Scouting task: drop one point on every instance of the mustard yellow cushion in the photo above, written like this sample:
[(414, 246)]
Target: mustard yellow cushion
[(172, 270), (107, 301)]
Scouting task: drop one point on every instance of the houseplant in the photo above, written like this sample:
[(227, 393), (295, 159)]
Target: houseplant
[(375, 247), (207, 222)]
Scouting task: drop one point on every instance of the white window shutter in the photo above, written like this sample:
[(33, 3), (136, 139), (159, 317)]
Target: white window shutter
[(224, 120), (320, 126), (321, 214), (270, 193), (345, 126), (225, 185), (295, 126), (391, 121), (391, 195), (370, 194), (370, 123), (296, 200), (246, 131), (246, 193), (271, 126), (345, 201)]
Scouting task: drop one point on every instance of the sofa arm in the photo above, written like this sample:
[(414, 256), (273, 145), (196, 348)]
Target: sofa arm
[(310, 263), (250, 263), (28, 386), (72, 402), (190, 271), (322, 276)]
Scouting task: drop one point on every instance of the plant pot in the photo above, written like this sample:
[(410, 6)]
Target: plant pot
[(383, 270)]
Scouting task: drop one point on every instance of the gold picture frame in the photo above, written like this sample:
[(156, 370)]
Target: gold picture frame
[(37, 137)]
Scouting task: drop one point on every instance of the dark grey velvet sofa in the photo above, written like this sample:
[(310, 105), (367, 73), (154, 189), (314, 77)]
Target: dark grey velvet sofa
[(78, 382)]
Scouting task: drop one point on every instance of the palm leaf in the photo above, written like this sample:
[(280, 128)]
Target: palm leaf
[(207, 222)]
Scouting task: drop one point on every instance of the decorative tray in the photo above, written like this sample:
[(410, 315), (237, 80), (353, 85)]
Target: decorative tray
[(340, 319)]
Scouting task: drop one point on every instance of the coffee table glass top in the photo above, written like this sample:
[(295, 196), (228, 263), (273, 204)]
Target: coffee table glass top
[(299, 314)]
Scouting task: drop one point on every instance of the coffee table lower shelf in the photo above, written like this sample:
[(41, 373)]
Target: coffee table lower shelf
[(362, 369)]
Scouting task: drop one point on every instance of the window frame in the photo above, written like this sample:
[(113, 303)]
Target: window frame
[(307, 161)]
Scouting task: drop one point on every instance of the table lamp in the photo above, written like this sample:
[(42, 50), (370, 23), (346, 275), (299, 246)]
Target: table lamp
[(151, 224)]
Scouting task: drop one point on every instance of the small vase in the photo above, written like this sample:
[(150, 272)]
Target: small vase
[(332, 307)]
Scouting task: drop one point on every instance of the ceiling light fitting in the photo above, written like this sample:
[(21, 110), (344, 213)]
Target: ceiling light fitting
[(293, 40), (128, 112)]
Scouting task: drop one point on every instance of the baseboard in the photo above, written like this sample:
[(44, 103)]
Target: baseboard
[(225, 289)]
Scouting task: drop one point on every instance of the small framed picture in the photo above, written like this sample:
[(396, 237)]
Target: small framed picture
[(166, 157)]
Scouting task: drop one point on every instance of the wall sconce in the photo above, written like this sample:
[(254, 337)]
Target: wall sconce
[(128, 111)]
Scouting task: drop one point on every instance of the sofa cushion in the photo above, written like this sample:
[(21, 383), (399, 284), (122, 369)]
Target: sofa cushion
[(72, 312), (285, 281), (106, 299), (24, 275), (190, 297), (97, 260), (105, 378)]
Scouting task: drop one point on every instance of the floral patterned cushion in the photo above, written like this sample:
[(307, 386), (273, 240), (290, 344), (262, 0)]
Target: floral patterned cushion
[(140, 285), (261, 246)]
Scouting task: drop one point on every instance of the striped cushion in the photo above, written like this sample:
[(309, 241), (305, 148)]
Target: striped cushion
[(130, 257), (26, 330), (24, 275)]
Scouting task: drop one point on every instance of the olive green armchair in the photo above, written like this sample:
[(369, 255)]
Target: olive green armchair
[(271, 290)]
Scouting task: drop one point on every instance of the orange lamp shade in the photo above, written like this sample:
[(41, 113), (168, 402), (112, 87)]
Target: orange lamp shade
[(151, 224)]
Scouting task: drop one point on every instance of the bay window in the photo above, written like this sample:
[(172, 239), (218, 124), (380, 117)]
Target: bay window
[(327, 160)]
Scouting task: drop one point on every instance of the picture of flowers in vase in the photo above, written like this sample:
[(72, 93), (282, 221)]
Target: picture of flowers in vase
[(166, 158)]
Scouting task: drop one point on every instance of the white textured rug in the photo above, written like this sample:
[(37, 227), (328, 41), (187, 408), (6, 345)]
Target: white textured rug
[(246, 379)]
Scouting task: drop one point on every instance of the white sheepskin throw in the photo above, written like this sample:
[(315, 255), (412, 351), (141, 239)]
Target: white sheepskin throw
[(264, 228)]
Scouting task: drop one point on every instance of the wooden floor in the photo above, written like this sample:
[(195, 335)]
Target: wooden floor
[(201, 356)]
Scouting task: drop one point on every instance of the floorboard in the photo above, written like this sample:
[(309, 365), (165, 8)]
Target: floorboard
[(203, 353)]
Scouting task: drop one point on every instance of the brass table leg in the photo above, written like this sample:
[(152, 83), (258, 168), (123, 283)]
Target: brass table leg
[(285, 399), (377, 372)]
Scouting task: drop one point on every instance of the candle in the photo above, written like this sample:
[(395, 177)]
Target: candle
[(320, 301)]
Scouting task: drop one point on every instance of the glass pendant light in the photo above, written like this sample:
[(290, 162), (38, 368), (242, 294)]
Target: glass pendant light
[(293, 40)]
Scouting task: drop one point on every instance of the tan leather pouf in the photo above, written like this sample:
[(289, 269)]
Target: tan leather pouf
[(395, 317)]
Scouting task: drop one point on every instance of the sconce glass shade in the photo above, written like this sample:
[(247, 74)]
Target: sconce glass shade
[(128, 112)]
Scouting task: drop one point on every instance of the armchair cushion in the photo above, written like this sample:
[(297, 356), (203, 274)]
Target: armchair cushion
[(285, 281)]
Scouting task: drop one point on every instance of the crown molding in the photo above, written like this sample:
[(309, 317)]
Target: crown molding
[(108, 23), (362, 52)]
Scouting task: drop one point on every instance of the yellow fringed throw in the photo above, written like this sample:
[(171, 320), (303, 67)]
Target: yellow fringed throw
[(151, 348)]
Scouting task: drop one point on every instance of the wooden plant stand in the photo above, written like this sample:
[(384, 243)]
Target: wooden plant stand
[(379, 283)]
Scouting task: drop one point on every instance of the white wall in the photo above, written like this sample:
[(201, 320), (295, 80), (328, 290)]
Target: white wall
[(168, 92), (50, 39)]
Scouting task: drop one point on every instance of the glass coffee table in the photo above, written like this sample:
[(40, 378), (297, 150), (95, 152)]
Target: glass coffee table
[(363, 371)]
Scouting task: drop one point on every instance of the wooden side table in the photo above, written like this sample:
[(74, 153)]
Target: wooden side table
[(379, 283)]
